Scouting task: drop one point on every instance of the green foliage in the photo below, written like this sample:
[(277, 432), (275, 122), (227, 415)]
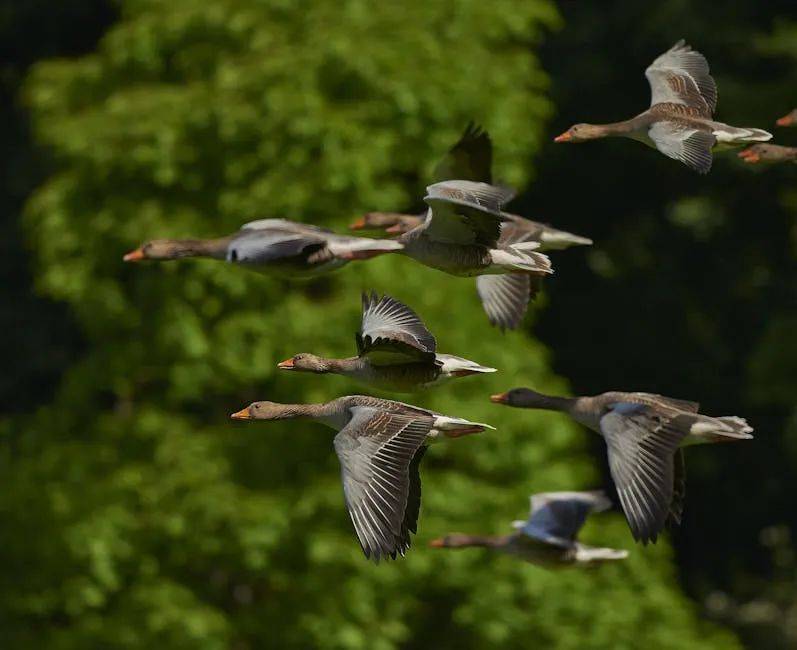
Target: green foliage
[(135, 513)]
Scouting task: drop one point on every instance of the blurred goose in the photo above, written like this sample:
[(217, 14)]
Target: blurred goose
[(772, 153), (790, 119), (643, 434), (395, 352), (548, 537), (679, 121), (379, 445), (271, 245)]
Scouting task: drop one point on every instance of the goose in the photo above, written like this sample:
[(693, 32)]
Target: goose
[(790, 119), (548, 537), (271, 245), (768, 153), (395, 352), (514, 226), (679, 122), (460, 236), (644, 434), (505, 298), (380, 444)]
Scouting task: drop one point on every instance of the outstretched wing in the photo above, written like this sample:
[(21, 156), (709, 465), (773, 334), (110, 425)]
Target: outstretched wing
[(681, 76), (641, 444), (470, 159), (392, 333), (465, 212), (556, 517), (506, 297), (376, 451), (682, 142)]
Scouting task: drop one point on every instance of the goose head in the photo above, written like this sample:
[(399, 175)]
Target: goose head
[(766, 153), (521, 398), (581, 133), (305, 362), (790, 119), (266, 411)]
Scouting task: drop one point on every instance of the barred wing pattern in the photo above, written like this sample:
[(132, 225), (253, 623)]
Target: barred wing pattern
[(376, 450)]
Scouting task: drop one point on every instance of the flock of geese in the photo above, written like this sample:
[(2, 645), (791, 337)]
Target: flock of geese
[(465, 232)]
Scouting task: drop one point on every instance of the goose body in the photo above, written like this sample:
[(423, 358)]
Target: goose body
[(548, 537), (379, 444), (271, 246), (395, 352), (679, 122), (644, 434)]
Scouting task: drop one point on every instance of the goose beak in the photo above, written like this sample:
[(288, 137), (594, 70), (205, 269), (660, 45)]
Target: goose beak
[(437, 543), (357, 224), (286, 365), (564, 137), (749, 156), (134, 256), (786, 120), (243, 414), (499, 398)]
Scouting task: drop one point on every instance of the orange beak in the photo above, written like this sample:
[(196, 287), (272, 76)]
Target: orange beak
[(564, 137), (134, 256), (749, 156), (357, 224), (786, 120), (286, 365), (243, 414), (499, 398), (437, 543)]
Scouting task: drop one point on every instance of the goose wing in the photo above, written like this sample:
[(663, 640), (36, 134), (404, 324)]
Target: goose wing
[(641, 443), (683, 142), (392, 333), (681, 76), (376, 450), (556, 517), (465, 212), (470, 159)]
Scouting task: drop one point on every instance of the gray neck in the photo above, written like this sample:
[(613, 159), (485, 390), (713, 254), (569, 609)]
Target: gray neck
[(535, 400), (485, 541), (348, 367), (624, 129), (215, 248)]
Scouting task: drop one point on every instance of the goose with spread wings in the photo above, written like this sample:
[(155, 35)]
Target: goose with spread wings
[(679, 122), (395, 351), (644, 434), (271, 246), (380, 444), (505, 297), (548, 537), (460, 236)]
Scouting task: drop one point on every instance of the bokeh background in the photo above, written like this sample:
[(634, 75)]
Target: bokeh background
[(134, 514)]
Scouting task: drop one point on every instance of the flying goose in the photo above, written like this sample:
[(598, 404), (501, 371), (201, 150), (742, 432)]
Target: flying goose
[(643, 434), (379, 444), (679, 122), (504, 297), (460, 236), (395, 351), (271, 245), (790, 119), (548, 537), (768, 153)]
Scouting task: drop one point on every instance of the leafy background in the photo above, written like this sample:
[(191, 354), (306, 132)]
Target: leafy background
[(135, 514)]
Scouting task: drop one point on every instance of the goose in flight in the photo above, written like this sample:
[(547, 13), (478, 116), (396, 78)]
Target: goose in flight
[(644, 434), (395, 351), (548, 537), (679, 122), (380, 444)]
